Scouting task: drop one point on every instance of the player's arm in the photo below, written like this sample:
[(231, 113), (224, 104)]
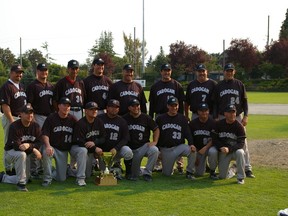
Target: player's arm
[(49, 149), (156, 134), (203, 150), (7, 112), (186, 110)]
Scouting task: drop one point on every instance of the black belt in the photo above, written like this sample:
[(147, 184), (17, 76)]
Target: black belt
[(76, 109)]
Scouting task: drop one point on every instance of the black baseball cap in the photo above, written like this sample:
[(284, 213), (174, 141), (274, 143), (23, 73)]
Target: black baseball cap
[(98, 61), (203, 106), (200, 67), (91, 105), (27, 108), (73, 64), (64, 100), (165, 67), (42, 67), (133, 102), (113, 103), (172, 100), (17, 68), (128, 67), (229, 66), (230, 108)]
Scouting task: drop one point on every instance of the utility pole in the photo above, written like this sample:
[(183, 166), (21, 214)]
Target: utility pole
[(267, 44), (134, 50), (20, 51), (143, 42)]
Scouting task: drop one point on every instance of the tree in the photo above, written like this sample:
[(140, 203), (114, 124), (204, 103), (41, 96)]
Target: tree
[(103, 45), (47, 55), (35, 57), (284, 28), (243, 53), (7, 58), (184, 58), (133, 52), (277, 53)]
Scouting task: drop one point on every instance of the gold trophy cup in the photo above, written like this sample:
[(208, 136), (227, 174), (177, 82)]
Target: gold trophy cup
[(106, 178)]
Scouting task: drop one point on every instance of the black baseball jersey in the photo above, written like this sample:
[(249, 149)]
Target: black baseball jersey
[(124, 92), (198, 93), (19, 134), (231, 92), (117, 134), (229, 135), (159, 94), (97, 89), (139, 129), (12, 96), (85, 131), (59, 130), (74, 91), (173, 130), (201, 132), (40, 95)]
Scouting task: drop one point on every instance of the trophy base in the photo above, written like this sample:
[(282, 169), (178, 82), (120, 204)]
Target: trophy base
[(106, 180)]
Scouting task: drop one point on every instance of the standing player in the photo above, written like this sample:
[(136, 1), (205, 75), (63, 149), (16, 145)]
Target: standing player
[(57, 134), (160, 92), (199, 91), (127, 89), (88, 132), (174, 129), (230, 143), (73, 88), (12, 98), (24, 139), (201, 128), (140, 125), (39, 95), (232, 91), (117, 136), (97, 85)]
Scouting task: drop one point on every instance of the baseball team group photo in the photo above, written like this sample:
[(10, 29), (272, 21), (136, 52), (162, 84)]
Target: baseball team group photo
[(56, 134)]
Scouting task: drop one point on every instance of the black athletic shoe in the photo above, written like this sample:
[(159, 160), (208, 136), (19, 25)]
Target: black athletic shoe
[(147, 178), (130, 178), (213, 175), (1, 176), (249, 174), (22, 187), (190, 176), (11, 172)]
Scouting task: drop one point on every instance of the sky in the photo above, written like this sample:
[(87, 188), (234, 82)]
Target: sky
[(71, 27)]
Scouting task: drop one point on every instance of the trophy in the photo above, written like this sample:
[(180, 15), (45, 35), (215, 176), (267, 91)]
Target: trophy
[(105, 177)]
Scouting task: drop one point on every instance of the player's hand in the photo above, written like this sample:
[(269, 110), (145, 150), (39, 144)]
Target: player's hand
[(224, 150), (245, 121), (89, 144), (49, 151), (99, 151), (37, 154), (24, 146), (150, 144), (193, 148), (113, 151)]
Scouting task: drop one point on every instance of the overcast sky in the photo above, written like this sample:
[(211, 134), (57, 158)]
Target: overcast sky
[(71, 27)]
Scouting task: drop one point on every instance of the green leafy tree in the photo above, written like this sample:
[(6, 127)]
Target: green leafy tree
[(284, 28), (35, 57), (103, 45), (45, 46), (7, 58), (133, 52)]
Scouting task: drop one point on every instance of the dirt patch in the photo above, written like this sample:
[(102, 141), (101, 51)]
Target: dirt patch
[(272, 153)]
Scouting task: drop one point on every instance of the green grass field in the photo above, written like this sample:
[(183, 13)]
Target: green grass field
[(175, 195)]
